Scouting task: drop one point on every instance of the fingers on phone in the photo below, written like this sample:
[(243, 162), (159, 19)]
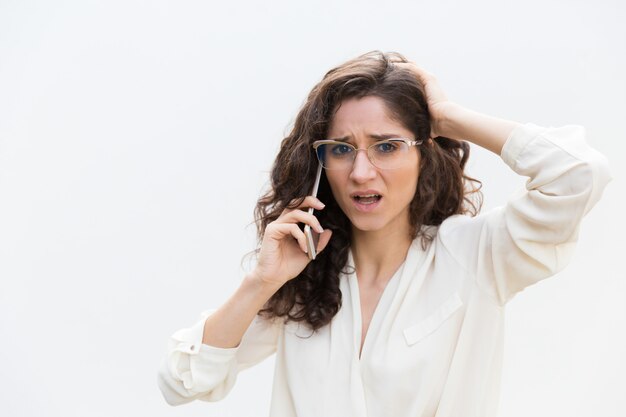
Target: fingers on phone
[(292, 229), (303, 217), (316, 203), (299, 236), (309, 201)]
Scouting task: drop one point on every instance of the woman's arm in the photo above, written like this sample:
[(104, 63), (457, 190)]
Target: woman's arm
[(457, 122), (203, 360), (227, 325), (192, 370), (534, 235)]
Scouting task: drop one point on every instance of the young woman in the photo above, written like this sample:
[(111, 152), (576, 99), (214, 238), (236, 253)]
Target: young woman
[(402, 311)]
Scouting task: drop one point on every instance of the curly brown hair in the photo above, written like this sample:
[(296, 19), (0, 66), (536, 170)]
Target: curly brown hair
[(443, 189)]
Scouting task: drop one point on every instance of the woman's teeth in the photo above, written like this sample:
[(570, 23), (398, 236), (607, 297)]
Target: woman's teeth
[(367, 199)]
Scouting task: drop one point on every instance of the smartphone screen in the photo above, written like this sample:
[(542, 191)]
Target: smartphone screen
[(312, 237)]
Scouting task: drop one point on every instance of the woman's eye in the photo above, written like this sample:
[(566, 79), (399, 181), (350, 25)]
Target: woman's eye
[(341, 149), (386, 147)]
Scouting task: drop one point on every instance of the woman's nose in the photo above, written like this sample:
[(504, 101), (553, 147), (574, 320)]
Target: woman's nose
[(362, 168)]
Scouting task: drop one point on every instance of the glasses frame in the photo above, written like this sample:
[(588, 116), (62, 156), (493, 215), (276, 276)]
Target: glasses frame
[(318, 143)]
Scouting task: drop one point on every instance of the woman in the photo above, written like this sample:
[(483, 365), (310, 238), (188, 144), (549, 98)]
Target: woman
[(402, 312)]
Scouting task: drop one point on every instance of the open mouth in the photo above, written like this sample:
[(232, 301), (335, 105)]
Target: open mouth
[(367, 199)]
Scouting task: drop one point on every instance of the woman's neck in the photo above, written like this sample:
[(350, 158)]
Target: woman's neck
[(378, 254)]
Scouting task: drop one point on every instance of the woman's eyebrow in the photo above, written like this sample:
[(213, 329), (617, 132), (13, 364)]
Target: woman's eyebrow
[(382, 136)]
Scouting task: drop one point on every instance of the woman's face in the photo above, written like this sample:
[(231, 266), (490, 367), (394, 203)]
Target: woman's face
[(358, 120)]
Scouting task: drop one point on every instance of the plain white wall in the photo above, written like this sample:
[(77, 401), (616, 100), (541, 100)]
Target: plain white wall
[(136, 136)]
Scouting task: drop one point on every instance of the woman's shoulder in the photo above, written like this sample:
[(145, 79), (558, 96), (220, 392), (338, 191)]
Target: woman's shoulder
[(460, 234), (451, 226)]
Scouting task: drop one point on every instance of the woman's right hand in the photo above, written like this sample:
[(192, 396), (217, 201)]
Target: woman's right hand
[(283, 250)]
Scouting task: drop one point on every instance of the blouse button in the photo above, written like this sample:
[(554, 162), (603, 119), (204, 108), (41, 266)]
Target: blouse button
[(192, 347)]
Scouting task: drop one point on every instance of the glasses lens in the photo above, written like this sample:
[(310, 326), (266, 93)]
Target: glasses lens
[(335, 155), (386, 154), (389, 154)]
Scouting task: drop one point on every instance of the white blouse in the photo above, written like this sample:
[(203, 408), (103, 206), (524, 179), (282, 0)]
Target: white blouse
[(434, 344)]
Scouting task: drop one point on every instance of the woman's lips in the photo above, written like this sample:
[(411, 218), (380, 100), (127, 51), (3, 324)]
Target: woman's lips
[(364, 206)]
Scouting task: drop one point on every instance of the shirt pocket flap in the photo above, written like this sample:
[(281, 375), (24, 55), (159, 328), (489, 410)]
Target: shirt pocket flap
[(417, 332)]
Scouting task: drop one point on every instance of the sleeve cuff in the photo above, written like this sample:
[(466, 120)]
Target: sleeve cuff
[(189, 340), (517, 141), (195, 364)]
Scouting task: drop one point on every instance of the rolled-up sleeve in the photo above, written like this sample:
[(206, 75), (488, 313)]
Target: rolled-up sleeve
[(192, 370), (534, 235)]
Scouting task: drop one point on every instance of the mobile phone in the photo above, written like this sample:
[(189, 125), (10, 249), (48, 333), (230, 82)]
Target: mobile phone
[(312, 237)]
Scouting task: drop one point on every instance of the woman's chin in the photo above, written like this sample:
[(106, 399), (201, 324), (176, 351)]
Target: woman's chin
[(367, 226)]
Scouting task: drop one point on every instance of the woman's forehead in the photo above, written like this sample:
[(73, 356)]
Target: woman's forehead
[(364, 108), (368, 116)]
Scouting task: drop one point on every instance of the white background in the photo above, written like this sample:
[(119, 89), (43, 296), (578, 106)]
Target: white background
[(136, 137)]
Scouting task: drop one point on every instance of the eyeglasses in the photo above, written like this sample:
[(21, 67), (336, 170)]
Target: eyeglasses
[(385, 154)]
